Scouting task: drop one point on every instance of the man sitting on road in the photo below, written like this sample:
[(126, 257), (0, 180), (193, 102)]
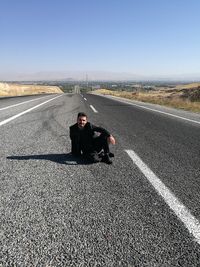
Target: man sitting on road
[(90, 141)]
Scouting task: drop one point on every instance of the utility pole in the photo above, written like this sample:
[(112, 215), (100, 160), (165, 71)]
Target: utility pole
[(87, 81)]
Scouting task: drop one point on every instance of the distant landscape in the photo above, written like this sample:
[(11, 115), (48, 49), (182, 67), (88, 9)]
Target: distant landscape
[(174, 94), (90, 75)]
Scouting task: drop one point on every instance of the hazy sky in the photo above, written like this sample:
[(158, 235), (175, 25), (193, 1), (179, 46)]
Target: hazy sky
[(139, 36)]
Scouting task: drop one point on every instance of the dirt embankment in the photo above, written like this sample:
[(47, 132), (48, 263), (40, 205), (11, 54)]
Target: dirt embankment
[(14, 89), (183, 96)]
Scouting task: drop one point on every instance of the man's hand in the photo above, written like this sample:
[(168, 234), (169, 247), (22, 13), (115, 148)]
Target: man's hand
[(111, 140)]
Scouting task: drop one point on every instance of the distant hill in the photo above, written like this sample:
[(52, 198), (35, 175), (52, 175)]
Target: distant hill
[(14, 89), (95, 76)]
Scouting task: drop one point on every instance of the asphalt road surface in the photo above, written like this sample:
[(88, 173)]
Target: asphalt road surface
[(55, 210)]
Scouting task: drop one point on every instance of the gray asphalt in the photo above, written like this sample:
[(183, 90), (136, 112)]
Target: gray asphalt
[(57, 211)]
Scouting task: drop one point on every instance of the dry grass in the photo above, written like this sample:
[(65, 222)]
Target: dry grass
[(188, 86), (8, 89), (171, 98)]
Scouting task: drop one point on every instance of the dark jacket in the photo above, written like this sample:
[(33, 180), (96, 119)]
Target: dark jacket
[(82, 139)]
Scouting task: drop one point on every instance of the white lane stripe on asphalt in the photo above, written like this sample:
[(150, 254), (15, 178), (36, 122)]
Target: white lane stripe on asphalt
[(26, 111), (158, 111), (85, 99), (191, 223), (93, 109), (22, 103)]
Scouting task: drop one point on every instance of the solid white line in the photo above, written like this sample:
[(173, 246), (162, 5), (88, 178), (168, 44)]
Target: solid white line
[(191, 223), (158, 111), (93, 109), (85, 99), (21, 103), (26, 111)]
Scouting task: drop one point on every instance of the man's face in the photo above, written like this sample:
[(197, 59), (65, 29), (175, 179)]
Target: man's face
[(81, 122)]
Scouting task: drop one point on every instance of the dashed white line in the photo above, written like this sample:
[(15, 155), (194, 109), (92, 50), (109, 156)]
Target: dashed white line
[(26, 111), (191, 223), (95, 111), (85, 99), (24, 102)]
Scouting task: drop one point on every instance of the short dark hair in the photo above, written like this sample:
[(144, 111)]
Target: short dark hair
[(81, 114)]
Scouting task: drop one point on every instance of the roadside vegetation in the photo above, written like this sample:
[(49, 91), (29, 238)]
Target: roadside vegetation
[(185, 97), (17, 89)]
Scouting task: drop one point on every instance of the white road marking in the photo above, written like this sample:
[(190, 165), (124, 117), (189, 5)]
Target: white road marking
[(158, 111), (93, 109), (191, 223), (26, 111), (85, 99), (22, 103)]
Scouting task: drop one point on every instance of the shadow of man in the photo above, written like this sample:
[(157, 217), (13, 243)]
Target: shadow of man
[(67, 159)]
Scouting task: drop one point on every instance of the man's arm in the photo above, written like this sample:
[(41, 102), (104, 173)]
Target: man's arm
[(105, 133), (100, 130)]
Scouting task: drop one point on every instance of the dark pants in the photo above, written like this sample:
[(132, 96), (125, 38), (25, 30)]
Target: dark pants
[(100, 144)]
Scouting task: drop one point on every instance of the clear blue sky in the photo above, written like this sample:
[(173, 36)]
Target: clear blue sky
[(138, 36)]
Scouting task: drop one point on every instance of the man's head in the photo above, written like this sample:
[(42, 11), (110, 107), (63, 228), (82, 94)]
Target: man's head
[(81, 120)]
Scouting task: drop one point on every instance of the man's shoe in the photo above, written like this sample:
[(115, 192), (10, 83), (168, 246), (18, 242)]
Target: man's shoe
[(106, 159), (111, 155)]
